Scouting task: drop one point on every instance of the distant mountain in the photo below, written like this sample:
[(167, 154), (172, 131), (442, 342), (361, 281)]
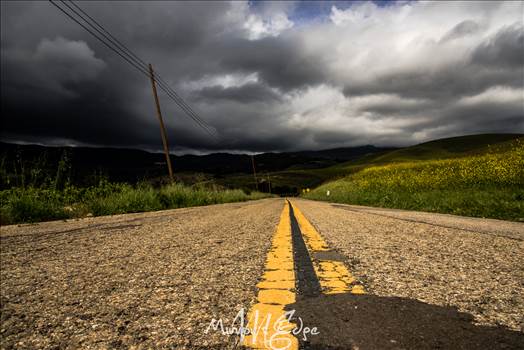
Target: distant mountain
[(347, 153), (133, 165)]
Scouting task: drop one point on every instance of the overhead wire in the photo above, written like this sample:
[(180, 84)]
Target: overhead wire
[(138, 61), (130, 57), (131, 54)]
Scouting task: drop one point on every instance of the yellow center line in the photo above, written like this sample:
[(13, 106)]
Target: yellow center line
[(267, 318), (334, 277)]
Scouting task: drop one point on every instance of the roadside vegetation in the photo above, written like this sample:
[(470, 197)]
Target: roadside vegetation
[(475, 175), (31, 193), (482, 185), (32, 204)]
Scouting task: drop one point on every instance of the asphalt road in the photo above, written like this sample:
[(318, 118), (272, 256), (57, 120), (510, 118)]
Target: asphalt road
[(362, 278)]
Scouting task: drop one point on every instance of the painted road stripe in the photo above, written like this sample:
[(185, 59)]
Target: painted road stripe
[(333, 275), (306, 280), (295, 246), (276, 290)]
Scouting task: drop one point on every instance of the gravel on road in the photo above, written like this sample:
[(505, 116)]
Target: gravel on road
[(156, 280), (148, 280), (473, 264)]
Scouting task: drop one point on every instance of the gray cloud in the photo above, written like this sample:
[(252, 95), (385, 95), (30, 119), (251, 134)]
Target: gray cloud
[(59, 64), (464, 28), (505, 49), (476, 72), (251, 92), (370, 76), (279, 61), (444, 83)]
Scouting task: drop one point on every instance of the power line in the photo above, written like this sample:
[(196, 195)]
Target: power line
[(183, 105), (161, 82), (96, 36), (130, 57), (108, 33), (136, 61)]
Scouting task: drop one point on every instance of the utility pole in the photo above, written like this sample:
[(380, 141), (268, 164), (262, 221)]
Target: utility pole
[(254, 172), (161, 121), (269, 183)]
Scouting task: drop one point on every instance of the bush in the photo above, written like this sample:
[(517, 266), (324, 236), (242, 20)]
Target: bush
[(32, 204)]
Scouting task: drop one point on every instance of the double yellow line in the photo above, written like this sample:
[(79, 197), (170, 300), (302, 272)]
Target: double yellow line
[(267, 319)]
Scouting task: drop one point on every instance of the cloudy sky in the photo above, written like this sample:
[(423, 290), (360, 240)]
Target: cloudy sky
[(267, 76)]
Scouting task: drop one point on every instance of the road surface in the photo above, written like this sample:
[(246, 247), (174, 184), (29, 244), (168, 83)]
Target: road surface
[(342, 277)]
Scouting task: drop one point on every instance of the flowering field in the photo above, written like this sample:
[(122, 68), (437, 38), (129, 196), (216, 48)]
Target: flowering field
[(488, 185)]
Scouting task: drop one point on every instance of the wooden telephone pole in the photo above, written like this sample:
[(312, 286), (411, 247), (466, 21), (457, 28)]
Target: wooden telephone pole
[(161, 121), (254, 172)]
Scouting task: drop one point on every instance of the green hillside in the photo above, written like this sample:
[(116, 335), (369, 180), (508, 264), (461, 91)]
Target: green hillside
[(297, 179), (480, 175), (448, 148)]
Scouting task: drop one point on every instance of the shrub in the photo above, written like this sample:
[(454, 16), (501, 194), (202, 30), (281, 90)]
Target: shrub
[(32, 204)]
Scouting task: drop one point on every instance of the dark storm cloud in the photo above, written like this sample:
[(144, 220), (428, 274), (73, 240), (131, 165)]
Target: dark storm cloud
[(54, 66), (511, 116), (462, 29), (251, 92), (67, 110), (60, 84), (397, 106), (264, 83), (336, 137), (443, 84), (505, 49), (484, 68), (281, 62), (98, 100)]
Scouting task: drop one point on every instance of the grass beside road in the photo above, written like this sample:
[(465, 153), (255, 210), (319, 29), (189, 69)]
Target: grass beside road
[(33, 204), (489, 185)]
